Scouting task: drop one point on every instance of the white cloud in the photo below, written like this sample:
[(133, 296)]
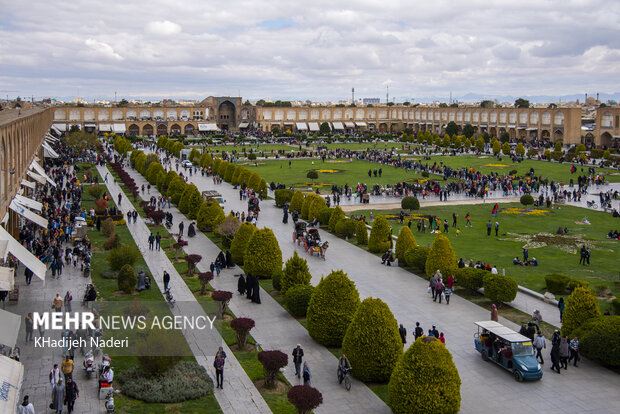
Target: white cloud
[(162, 28), (102, 49)]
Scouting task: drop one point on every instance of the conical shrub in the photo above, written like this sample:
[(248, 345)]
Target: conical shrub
[(405, 241), (263, 256), (441, 257), (296, 272), (380, 235), (240, 242)]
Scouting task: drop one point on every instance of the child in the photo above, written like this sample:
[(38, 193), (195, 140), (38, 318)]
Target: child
[(458, 231)]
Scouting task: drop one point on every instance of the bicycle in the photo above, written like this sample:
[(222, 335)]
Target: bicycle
[(346, 377), (592, 204)]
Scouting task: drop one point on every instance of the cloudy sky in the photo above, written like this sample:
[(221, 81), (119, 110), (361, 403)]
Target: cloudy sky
[(283, 49)]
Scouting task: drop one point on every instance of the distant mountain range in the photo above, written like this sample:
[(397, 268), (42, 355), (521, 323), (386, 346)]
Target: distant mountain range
[(474, 97)]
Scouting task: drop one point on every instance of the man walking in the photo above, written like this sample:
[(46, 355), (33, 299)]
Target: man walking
[(72, 392), (573, 347), (419, 331), (298, 354), (539, 344), (403, 334), (29, 323), (166, 280), (218, 364), (496, 228), (181, 227), (26, 406), (158, 241), (67, 367), (28, 273), (489, 225)]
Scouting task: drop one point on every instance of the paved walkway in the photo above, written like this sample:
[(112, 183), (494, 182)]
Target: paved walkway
[(239, 394), (277, 329), (589, 388)]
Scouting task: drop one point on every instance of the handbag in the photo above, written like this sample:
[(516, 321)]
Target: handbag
[(427, 291)]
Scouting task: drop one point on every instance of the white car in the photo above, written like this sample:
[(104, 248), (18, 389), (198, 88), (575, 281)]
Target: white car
[(187, 164)]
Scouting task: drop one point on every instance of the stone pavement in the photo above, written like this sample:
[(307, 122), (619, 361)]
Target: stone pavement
[(277, 329), (589, 388), (239, 395)]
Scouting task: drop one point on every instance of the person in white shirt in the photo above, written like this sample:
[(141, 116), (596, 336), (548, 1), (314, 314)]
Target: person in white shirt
[(25, 407), (494, 270)]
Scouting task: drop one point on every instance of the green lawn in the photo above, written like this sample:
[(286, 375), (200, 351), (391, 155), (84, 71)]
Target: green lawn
[(360, 146), (473, 243)]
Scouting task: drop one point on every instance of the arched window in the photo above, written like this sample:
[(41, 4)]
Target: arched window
[(291, 115), (558, 119), (171, 115), (493, 117), (512, 117), (475, 116), (484, 117), (279, 115), (60, 114), (467, 116), (459, 116), (131, 114), (314, 114), (89, 115), (326, 114), (436, 115), (607, 120), (74, 115), (145, 113), (103, 115), (502, 117), (523, 117), (348, 114), (534, 118), (338, 114), (359, 114), (117, 115), (382, 114), (444, 115), (303, 114), (546, 118), (372, 114)]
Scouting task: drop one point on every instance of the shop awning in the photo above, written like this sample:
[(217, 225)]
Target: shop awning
[(41, 172), (28, 202), (28, 214), (512, 125), (314, 126), (7, 282), (483, 125), (36, 177), (105, 127), (337, 125), (244, 125), (522, 127), (531, 129), (23, 255), (119, 128), (49, 151), (349, 124), (90, 125), (208, 127), (361, 124), (301, 126), (60, 127), (9, 321), (11, 377), (50, 137), (29, 184)]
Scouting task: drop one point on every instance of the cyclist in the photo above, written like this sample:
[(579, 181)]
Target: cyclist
[(343, 367)]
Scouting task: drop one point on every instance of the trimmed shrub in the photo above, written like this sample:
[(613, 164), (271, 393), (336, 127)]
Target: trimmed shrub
[(324, 215), (316, 206), (331, 308), (410, 203), (263, 256), (176, 187), (222, 297), (297, 201), (100, 205), (230, 170), (204, 278), (527, 200), (185, 381), (190, 201), (123, 255), (107, 227), (380, 235), (192, 260), (405, 241), (254, 181), (209, 215), (557, 283), (237, 175), (297, 298), (305, 207), (272, 362), (581, 305), (112, 242), (441, 257), (283, 196), (127, 279), (95, 191), (336, 216), (242, 327), (470, 277), (295, 273), (499, 288), (240, 242), (276, 280), (416, 256), (361, 232), (158, 351), (599, 339), (425, 379), (346, 227), (575, 283), (305, 398), (372, 342)]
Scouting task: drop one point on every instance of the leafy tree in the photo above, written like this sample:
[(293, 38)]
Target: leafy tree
[(312, 175), (468, 130), (520, 150), (410, 203), (209, 215), (296, 272), (405, 241), (123, 255), (296, 201), (527, 200), (416, 256), (452, 128), (176, 187), (242, 327), (581, 306), (522, 103), (263, 256), (599, 339), (331, 308), (446, 141), (272, 362), (372, 343), (506, 148), (324, 129), (316, 206), (80, 140), (441, 257), (336, 216), (305, 398), (240, 242), (480, 144), (361, 232), (504, 137), (425, 376), (192, 260), (496, 147), (499, 288), (487, 104), (305, 207), (380, 235), (190, 201), (297, 299), (127, 279)]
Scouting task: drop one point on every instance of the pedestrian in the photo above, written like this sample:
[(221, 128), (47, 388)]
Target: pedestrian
[(29, 324), (57, 303), (67, 366), (561, 306), (539, 344), (494, 315), (58, 396), (166, 280), (489, 225), (449, 288), (151, 241), (525, 255), (298, 354), (496, 228), (468, 220), (564, 352), (181, 227), (454, 219), (582, 254), (218, 364), (442, 338), (307, 374), (555, 351), (68, 299), (28, 273), (403, 334), (435, 332), (432, 283), (588, 256), (26, 406), (439, 290), (574, 350), (54, 375), (158, 241), (72, 392)]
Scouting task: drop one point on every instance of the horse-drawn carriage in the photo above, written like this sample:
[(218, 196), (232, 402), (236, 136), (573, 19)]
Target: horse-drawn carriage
[(300, 232), (310, 239)]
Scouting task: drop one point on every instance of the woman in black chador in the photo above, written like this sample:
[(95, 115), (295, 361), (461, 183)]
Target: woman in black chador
[(249, 284), (191, 231), (241, 284), (229, 260), (255, 290)]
